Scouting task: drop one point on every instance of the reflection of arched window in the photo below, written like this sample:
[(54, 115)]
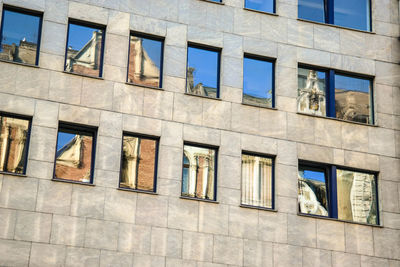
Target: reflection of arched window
[(186, 168)]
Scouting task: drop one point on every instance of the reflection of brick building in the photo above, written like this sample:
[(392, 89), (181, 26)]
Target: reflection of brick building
[(25, 52), (74, 159)]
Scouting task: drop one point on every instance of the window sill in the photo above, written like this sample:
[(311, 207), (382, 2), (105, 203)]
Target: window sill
[(258, 106), (137, 191), (260, 11), (18, 63), (335, 26), (337, 220), (204, 96), (200, 199), (257, 207), (218, 3), (83, 75), (336, 119), (145, 86), (72, 182), (13, 174)]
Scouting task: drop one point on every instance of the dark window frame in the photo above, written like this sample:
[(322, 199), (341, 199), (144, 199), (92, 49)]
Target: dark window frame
[(28, 138), (141, 136), (73, 128), (154, 38), (262, 11), (331, 184), (29, 12), (330, 91), (273, 159), (265, 59), (200, 145), (103, 39), (206, 48)]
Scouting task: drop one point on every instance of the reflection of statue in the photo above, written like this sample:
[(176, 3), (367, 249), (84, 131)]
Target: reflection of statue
[(311, 98), (308, 199)]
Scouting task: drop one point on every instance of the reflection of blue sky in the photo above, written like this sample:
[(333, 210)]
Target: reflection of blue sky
[(63, 139), (262, 5), (205, 63), (17, 26), (353, 14), (79, 36), (352, 83), (314, 175), (312, 10), (257, 78), (153, 49)]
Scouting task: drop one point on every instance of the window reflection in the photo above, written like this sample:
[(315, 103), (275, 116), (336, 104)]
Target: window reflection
[(353, 14), (145, 61), (198, 172), (84, 50), (261, 5), (138, 163), (352, 99), (13, 144), (203, 72), (20, 37), (74, 155), (312, 191), (256, 181), (312, 10), (311, 92), (257, 82), (356, 194)]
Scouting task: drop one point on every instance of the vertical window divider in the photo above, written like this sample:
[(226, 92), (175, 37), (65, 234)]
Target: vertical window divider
[(333, 192), (331, 11), (330, 99)]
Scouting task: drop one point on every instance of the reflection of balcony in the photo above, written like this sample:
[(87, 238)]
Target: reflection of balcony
[(25, 52)]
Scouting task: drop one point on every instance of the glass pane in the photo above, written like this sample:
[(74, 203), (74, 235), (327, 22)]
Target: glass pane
[(312, 10), (257, 181), (202, 72), (84, 50), (262, 5), (312, 191), (352, 14), (138, 163), (311, 92), (13, 148), (19, 40), (198, 175), (144, 61), (356, 197), (257, 82), (74, 156), (352, 99)]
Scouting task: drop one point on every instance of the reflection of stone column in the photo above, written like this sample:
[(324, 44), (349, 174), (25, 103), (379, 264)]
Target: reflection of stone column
[(5, 146)]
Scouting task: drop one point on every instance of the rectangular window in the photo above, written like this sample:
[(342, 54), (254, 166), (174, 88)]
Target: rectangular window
[(331, 94), (261, 5), (145, 60), (85, 49), (75, 153), (20, 35), (199, 172), (257, 181), (330, 191), (258, 82), (139, 163), (14, 143), (202, 77), (354, 14)]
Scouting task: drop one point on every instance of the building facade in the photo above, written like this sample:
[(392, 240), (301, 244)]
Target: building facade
[(110, 156)]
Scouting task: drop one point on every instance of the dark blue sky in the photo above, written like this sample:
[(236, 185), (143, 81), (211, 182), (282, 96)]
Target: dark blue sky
[(17, 26), (205, 63)]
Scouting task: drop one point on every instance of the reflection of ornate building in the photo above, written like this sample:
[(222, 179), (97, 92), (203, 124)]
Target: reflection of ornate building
[(87, 60), (198, 89), (13, 134), (311, 99), (142, 69), (310, 192), (74, 159), (352, 105), (25, 52)]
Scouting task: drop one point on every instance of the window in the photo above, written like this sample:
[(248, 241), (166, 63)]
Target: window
[(145, 60), (328, 93), (351, 14), (330, 191), (202, 76), (75, 153), (257, 181), (199, 172), (20, 35), (14, 143), (261, 5), (85, 45), (139, 163), (258, 82)]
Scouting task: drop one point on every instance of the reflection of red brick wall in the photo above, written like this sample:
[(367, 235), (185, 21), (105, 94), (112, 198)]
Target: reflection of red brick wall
[(78, 174), (132, 68), (146, 164), (14, 150)]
